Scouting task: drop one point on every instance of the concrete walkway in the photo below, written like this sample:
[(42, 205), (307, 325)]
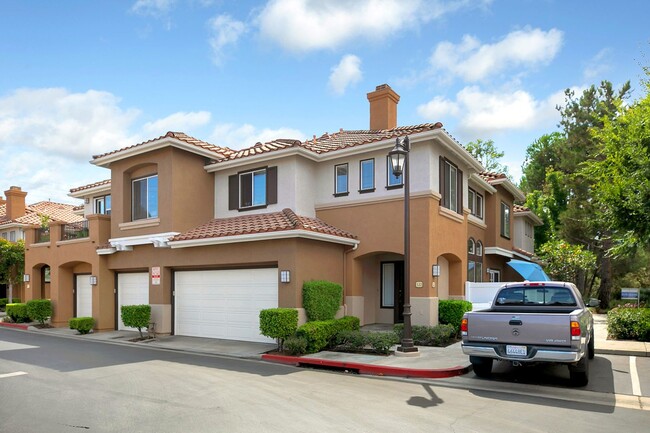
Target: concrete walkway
[(431, 362)]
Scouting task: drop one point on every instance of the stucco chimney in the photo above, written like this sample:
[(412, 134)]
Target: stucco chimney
[(383, 108), (15, 202)]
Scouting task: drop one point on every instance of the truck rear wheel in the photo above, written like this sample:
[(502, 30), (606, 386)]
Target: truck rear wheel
[(482, 366), (591, 350), (579, 373)]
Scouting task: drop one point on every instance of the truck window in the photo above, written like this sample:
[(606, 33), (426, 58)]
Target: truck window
[(557, 296)]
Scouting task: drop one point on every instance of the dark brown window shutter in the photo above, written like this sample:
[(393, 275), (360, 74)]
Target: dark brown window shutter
[(233, 192), (459, 184), (271, 185), (442, 180)]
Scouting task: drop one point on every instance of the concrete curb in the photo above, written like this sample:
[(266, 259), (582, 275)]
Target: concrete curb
[(623, 352), (15, 325), (375, 370)]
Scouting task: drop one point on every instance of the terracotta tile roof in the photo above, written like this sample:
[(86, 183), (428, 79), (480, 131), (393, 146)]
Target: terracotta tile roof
[(220, 152), (519, 208), (489, 176), (524, 252), (331, 142), (260, 223), (56, 212), (91, 185)]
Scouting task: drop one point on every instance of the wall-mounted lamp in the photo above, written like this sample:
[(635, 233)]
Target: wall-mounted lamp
[(93, 280), (87, 200), (26, 278), (285, 276), (435, 270)]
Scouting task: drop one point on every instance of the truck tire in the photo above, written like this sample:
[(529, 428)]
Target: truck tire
[(591, 350), (579, 373), (482, 366)]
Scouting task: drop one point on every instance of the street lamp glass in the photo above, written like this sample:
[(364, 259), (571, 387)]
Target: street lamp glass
[(397, 157)]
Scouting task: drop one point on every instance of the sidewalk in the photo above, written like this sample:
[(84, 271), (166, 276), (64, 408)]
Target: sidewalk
[(432, 362)]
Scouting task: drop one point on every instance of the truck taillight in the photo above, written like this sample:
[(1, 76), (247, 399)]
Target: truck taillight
[(463, 327), (575, 329)]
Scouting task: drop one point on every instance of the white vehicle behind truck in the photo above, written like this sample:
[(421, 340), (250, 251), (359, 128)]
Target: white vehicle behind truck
[(531, 322)]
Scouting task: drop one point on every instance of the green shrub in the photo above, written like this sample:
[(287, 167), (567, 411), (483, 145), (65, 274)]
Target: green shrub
[(5, 301), (279, 323), (136, 316), (82, 324), (319, 334), (381, 342), (295, 345), (438, 336), (39, 310), (350, 340), (321, 299), (629, 323), (17, 312), (351, 323), (451, 312)]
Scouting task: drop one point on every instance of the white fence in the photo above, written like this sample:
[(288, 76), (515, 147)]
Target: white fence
[(481, 295)]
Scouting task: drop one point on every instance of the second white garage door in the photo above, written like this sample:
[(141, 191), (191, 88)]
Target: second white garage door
[(224, 304), (84, 296), (132, 289)]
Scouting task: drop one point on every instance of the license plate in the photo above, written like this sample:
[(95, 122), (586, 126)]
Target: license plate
[(516, 350)]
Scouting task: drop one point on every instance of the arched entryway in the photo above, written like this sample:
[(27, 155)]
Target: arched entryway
[(452, 277)]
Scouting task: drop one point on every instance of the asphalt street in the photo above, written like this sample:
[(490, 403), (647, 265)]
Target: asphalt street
[(53, 384)]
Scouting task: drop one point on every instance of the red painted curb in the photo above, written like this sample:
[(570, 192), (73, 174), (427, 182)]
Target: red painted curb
[(15, 325), (376, 370)]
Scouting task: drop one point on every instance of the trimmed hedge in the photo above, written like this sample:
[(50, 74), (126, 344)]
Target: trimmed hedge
[(5, 301), (279, 323), (136, 316), (358, 341), (295, 345), (321, 299), (39, 310), (321, 334), (17, 312), (450, 311), (438, 336), (82, 324), (629, 323)]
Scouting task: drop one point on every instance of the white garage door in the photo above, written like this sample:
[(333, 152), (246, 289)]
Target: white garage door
[(224, 304), (132, 289), (84, 296)]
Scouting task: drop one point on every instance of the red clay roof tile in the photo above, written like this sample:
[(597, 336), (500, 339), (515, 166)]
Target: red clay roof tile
[(91, 185)]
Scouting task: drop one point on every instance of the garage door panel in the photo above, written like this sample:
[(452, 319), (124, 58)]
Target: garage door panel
[(224, 304), (132, 289), (84, 296)]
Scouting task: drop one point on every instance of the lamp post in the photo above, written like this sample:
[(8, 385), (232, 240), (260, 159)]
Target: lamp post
[(399, 164)]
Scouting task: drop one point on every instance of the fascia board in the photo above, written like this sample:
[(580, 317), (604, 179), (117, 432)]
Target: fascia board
[(90, 191), (498, 251), (105, 161), (510, 187), (455, 147), (287, 234), (141, 239), (529, 214)]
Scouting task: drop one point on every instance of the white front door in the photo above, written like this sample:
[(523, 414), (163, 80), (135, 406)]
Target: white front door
[(225, 303), (84, 296), (132, 289)]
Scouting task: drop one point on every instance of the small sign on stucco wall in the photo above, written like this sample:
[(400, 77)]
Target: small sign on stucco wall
[(155, 275)]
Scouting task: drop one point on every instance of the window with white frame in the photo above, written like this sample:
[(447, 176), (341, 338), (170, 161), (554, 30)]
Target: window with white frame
[(495, 275), (341, 180), (102, 205), (367, 175), (528, 229), (451, 186), (393, 181), (12, 236), (252, 188), (475, 202), (145, 198), (505, 220), (474, 261)]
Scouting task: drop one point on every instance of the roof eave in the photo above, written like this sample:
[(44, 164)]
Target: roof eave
[(89, 191), (510, 187), (474, 177), (284, 234), (264, 156)]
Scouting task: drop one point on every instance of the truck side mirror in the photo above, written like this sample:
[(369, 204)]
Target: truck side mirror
[(593, 302)]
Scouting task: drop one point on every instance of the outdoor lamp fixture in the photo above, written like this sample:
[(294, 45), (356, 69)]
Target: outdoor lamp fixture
[(26, 278), (435, 270), (399, 161), (93, 280), (285, 276)]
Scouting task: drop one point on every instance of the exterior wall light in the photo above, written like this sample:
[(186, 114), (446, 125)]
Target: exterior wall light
[(435, 270), (26, 278), (93, 280), (285, 276)]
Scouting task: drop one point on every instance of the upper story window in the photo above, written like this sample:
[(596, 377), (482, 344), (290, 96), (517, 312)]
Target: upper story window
[(253, 189), (451, 186), (102, 205), (145, 198), (475, 201), (4, 235), (341, 180), (367, 175), (505, 220), (392, 180), (528, 229), (12, 236)]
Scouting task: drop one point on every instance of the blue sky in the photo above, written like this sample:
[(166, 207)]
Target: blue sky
[(79, 78)]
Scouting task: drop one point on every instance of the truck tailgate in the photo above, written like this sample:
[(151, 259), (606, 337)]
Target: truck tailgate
[(519, 328)]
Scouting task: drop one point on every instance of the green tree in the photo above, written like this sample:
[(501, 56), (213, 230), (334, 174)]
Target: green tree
[(566, 262), (548, 203), (12, 264), (487, 154), (543, 154)]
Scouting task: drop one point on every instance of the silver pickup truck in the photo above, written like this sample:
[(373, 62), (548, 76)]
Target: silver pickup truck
[(531, 322)]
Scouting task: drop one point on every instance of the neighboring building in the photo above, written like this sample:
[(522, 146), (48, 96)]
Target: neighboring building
[(209, 236), (16, 217)]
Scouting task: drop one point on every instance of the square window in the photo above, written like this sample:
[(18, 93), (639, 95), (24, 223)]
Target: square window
[(341, 179), (367, 175), (103, 205), (145, 198), (252, 187)]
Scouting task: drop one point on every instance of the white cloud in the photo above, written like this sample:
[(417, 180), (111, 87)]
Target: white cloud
[(598, 65), (238, 137), (480, 113), (307, 25), (55, 121), (225, 31), (154, 8), (180, 121), (473, 61), (347, 72)]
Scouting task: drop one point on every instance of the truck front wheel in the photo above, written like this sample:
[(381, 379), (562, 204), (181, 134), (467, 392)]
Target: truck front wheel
[(482, 366)]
